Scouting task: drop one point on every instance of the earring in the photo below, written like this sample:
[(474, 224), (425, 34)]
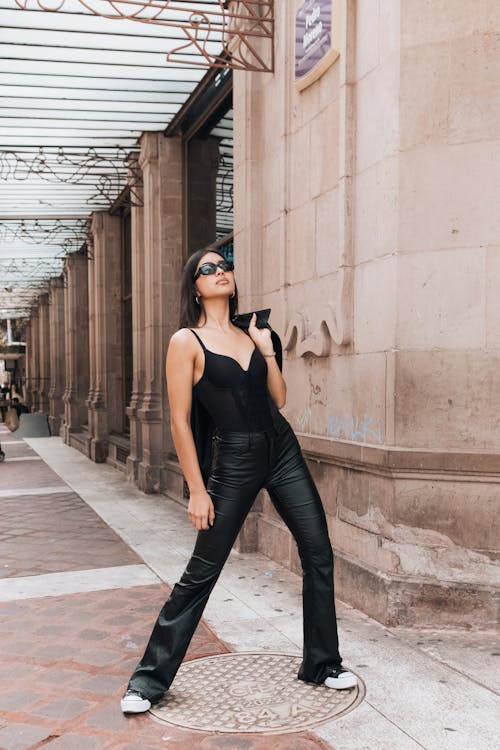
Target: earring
[(232, 295), (197, 299)]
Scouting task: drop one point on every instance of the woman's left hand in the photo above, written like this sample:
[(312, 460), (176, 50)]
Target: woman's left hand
[(260, 336)]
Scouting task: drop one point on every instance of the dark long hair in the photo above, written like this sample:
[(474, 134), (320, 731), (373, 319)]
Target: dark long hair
[(190, 310)]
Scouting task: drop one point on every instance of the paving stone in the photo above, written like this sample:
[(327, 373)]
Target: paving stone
[(109, 717), (56, 651), (60, 677), (64, 708), (101, 658), (113, 605), (29, 474), (103, 684), (54, 629), (22, 736), (270, 742), (14, 451), (75, 742), (16, 670), (58, 532), (92, 635), (18, 647), (17, 700)]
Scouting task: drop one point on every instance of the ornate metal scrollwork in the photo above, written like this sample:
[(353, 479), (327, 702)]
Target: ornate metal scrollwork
[(106, 170), (239, 26), (23, 280), (68, 236), (135, 181), (225, 190)]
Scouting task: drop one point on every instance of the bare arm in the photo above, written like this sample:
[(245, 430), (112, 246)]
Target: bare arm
[(181, 356), (275, 381)]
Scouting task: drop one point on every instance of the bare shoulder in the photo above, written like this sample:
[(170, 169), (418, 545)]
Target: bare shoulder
[(182, 342), (182, 336)]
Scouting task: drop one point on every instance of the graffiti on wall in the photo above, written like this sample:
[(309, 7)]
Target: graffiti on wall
[(357, 429), (363, 429)]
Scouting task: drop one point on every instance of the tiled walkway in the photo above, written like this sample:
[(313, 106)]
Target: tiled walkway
[(85, 561), (65, 659)]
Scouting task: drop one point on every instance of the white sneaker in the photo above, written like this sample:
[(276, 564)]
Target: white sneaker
[(341, 679), (134, 703)]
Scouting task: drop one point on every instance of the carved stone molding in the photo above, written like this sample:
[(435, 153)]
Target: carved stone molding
[(330, 328)]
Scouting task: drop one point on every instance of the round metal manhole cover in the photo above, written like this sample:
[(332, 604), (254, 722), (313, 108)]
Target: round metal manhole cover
[(250, 693)]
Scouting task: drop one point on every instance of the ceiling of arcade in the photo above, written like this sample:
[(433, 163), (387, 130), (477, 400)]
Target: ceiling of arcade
[(80, 81)]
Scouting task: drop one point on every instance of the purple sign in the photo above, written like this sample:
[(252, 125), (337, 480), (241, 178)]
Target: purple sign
[(313, 35)]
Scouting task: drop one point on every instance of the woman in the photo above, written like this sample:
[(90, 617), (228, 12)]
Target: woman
[(232, 378), (5, 396)]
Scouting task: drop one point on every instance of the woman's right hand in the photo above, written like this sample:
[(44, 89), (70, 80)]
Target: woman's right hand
[(201, 510)]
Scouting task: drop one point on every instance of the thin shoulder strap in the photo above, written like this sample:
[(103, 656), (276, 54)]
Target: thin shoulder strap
[(201, 342)]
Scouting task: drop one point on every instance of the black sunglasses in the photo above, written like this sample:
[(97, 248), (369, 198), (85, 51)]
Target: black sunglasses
[(208, 268)]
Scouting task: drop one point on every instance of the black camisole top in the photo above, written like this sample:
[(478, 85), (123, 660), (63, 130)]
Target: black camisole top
[(236, 399)]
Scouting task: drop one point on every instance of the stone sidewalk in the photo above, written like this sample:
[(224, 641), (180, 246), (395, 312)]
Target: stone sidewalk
[(86, 561)]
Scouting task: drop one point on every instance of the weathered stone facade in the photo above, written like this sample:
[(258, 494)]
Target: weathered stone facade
[(365, 219)]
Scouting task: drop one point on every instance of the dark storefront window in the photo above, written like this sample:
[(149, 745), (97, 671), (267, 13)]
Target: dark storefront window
[(207, 127), (225, 179)]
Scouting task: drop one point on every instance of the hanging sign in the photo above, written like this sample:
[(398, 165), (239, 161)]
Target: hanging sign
[(317, 39)]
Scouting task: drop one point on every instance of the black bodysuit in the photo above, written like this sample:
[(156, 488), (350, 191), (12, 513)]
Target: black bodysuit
[(236, 399)]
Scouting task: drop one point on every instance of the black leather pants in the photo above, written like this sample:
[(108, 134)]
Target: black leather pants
[(243, 464)]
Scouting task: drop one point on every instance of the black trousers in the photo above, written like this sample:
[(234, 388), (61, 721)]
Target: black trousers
[(243, 464)]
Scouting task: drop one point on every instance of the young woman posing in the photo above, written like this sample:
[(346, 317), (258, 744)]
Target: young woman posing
[(235, 380)]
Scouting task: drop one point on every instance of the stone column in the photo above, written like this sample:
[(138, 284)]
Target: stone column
[(27, 351), (34, 359), (57, 356), (203, 161), (138, 302), (161, 163), (92, 370), (31, 360), (105, 405), (76, 343), (43, 392)]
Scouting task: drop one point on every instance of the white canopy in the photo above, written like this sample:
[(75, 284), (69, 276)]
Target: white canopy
[(76, 92)]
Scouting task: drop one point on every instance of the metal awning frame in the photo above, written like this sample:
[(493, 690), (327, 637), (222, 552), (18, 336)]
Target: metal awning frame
[(76, 93), (240, 26)]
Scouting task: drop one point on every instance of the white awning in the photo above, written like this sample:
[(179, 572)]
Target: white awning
[(76, 92)]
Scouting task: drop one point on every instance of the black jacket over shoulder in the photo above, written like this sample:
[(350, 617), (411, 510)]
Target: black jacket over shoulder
[(202, 424)]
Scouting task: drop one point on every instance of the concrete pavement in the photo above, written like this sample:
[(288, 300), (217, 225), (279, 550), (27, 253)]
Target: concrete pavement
[(87, 560)]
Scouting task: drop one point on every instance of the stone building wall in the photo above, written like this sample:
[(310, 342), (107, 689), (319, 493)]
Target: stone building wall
[(449, 227), (365, 218)]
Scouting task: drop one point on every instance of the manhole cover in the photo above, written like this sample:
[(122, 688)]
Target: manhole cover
[(250, 693)]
